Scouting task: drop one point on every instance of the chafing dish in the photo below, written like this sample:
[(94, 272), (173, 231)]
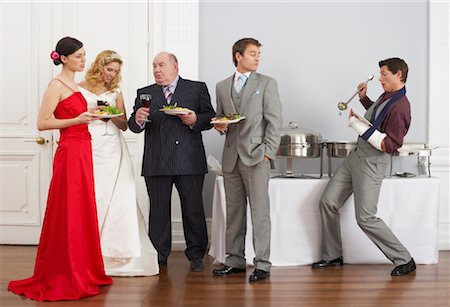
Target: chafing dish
[(339, 149), (423, 153), (299, 143)]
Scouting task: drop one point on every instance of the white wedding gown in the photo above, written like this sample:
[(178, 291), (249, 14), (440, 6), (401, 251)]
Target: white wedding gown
[(126, 247)]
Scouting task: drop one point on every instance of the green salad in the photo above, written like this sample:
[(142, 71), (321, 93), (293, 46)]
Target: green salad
[(173, 107), (110, 110)]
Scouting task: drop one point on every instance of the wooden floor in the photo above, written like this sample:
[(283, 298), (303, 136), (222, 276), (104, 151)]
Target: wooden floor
[(350, 285)]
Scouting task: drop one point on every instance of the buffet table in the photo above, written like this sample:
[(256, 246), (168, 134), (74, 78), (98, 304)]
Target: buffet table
[(409, 206)]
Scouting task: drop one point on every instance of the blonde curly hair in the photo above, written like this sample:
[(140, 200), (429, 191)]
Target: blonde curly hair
[(94, 75)]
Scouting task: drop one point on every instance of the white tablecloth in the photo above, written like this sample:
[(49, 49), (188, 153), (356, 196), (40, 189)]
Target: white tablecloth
[(409, 206)]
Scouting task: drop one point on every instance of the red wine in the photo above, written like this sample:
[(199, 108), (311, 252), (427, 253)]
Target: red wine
[(146, 100)]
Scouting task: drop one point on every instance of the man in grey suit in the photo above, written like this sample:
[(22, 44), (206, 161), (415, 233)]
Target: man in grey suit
[(250, 147), (174, 154), (362, 172)]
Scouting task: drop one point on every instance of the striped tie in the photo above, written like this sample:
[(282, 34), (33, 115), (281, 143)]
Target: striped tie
[(168, 93)]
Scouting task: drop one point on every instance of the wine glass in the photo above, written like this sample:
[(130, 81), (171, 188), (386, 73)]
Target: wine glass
[(100, 104), (146, 100)]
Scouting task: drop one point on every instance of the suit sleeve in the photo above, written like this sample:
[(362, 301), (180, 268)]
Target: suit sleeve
[(206, 111), (132, 120), (272, 116)]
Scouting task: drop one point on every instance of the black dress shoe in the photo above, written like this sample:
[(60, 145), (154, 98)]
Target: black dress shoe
[(196, 265), (227, 270), (258, 275), (327, 263), (404, 268)]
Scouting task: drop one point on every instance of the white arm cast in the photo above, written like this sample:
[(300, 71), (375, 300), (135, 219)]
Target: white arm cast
[(375, 139)]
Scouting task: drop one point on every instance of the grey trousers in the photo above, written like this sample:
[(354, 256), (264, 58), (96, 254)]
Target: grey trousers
[(250, 182), (361, 173)]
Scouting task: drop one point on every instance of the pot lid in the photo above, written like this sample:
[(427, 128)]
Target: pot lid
[(295, 135)]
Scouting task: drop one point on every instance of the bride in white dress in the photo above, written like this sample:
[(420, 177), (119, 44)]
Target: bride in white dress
[(126, 247)]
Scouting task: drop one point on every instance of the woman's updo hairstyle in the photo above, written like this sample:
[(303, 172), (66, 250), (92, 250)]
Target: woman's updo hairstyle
[(65, 47)]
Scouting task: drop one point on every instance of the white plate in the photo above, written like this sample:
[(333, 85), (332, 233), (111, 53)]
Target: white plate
[(105, 115), (227, 122), (175, 111), (422, 152), (361, 118), (405, 174)]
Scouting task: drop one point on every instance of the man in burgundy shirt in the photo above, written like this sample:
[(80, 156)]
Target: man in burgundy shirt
[(363, 171)]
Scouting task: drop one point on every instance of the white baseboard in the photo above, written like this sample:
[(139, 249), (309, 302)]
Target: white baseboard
[(178, 242), (444, 237), (440, 168)]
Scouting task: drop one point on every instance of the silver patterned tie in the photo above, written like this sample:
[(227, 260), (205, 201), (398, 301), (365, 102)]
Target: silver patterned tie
[(240, 83)]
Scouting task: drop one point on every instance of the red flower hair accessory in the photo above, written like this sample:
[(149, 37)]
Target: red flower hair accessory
[(54, 55)]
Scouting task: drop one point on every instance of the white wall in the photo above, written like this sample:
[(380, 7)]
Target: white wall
[(319, 52)]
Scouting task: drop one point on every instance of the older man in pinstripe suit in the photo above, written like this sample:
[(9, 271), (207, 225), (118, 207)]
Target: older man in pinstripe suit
[(174, 154)]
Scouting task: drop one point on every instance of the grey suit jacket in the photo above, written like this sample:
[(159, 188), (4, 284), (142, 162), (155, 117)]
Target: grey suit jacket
[(259, 134), (171, 147)]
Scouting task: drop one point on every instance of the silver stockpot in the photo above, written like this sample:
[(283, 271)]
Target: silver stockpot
[(339, 149)]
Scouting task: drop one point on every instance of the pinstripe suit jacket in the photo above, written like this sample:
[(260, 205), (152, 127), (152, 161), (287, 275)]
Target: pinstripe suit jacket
[(171, 147), (259, 134)]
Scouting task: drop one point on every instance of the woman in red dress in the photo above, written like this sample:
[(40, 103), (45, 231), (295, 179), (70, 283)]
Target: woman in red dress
[(69, 263)]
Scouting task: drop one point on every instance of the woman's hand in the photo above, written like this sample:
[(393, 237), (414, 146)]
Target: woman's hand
[(84, 118)]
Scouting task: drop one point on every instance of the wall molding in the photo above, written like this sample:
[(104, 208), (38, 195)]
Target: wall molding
[(438, 109), (174, 27), (178, 242), (444, 236)]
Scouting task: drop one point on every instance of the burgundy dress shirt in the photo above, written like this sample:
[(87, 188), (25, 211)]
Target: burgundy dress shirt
[(396, 123)]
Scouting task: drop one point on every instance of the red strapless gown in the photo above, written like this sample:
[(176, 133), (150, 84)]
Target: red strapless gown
[(69, 262)]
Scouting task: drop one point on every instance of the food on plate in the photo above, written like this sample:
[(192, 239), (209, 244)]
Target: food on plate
[(174, 107), (230, 116), (109, 110)]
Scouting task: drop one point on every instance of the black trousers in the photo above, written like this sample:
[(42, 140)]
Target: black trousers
[(190, 188)]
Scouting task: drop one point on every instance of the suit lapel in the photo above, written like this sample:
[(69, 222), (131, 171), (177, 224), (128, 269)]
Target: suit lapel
[(158, 97), (179, 90), (228, 84), (249, 89)]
